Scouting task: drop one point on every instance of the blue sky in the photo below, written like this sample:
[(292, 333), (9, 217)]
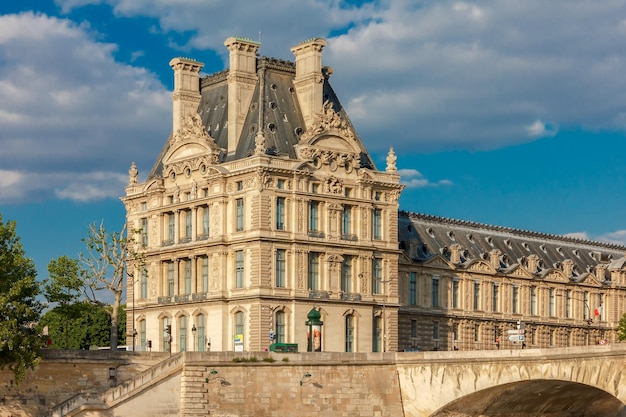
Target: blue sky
[(506, 113)]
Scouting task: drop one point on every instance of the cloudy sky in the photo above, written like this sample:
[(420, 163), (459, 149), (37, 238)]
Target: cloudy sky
[(501, 112)]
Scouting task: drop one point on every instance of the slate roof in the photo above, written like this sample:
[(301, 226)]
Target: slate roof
[(282, 120), (427, 236)]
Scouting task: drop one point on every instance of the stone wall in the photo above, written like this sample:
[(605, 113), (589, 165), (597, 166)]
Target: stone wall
[(64, 373)]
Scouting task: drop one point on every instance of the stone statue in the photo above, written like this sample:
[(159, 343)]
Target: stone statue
[(132, 174), (391, 161)]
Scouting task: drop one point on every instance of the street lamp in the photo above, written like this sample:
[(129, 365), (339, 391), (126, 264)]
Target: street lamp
[(193, 332)]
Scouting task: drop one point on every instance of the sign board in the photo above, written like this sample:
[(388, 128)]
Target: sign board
[(515, 331), (238, 343), (516, 338)]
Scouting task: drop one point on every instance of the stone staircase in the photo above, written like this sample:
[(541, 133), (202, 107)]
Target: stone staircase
[(94, 401)]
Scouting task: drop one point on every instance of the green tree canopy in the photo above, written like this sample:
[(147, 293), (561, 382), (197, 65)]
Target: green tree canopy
[(81, 325), (64, 285), (19, 308)]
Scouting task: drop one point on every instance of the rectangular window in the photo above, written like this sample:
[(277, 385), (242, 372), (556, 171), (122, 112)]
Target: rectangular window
[(455, 293), (600, 304), (346, 274), (187, 225), (167, 337), (515, 300), (314, 271), (280, 184), (551, 302), (413, 328), (205, 222), (377, 276), (239, 185), (144, 232), (586, 307), (413, 288), (239, 269), (494, 297), (144, 283), (314, 216), (280, 268), (171, 227), (280, 213), (568, 304), (476, 333), (377, 224), (476, 295), (533, 300), (187, 276), (435, 292), (170, 278), (347, 221), (205, 274), (239, 214), (435, 330)]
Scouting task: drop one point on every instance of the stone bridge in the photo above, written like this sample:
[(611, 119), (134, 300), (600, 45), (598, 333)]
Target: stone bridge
[(582, 381)]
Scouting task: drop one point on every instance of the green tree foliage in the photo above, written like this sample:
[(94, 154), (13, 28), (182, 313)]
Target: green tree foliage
[(81, 325), (64, 284), (621, 328), (109, 258), (19, 308)]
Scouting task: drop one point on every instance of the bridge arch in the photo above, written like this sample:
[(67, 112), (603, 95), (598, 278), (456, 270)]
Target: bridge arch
[(441, 382), (534, 398)]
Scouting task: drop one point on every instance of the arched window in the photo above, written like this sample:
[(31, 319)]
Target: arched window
[(167, 338), (280, 327), (377, 341), (142, 335), (350, 333), (239, 331), (182, 332), (200, 326)]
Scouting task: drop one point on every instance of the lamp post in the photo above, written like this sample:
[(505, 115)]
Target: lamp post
[(193, 332)]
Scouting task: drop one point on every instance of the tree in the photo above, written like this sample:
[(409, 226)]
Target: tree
[(87, 325), (110, 257), (621, 328), (63, 287), (19, 308)]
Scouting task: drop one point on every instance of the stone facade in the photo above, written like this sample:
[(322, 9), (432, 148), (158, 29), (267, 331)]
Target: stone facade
[(245, 230), (264, 204)]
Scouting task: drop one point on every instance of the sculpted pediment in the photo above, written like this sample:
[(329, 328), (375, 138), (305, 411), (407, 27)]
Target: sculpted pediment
[(520, 272), (438, 262), (478, 265), (328, 122), (555, 275), (154, 186), (191, 141), (589, 279)]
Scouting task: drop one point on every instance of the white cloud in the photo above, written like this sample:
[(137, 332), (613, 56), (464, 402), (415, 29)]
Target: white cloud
[(68, 105), (412, 178), (436, 75), (18, 186), (539, 129), (618, 237)]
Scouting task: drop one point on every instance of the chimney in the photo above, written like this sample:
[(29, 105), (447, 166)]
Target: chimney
[(186, 95), (309, 81), (242, 79)]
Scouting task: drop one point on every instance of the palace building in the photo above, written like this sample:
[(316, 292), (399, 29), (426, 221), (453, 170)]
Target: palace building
[(265, 212)]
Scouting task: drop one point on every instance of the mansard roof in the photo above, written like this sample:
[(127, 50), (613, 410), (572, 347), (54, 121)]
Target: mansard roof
[(279, 114), (423, 237)]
